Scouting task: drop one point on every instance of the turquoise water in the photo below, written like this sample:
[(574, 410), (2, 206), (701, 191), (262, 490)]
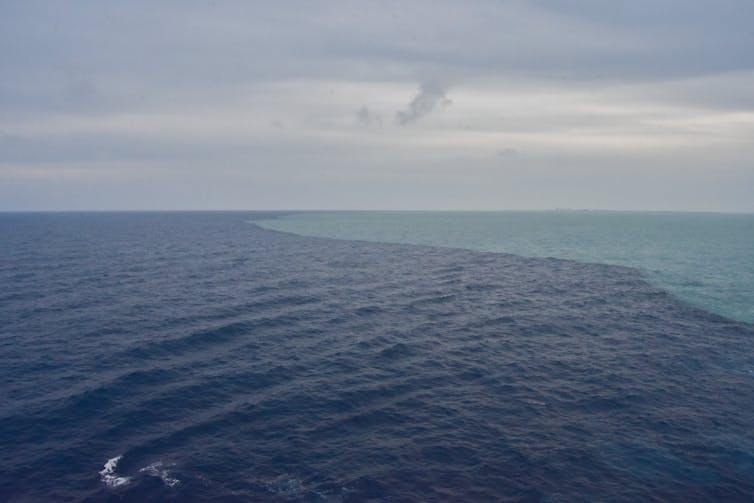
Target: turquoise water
[(706, 259)]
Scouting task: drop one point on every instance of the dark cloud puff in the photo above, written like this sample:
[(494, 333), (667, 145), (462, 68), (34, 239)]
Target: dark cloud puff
[(507, 153), (429, 97), (367, 117)]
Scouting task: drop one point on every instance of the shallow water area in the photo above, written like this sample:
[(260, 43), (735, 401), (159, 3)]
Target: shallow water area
[(706, 259)]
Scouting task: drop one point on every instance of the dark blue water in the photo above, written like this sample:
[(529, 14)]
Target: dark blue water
[(198, 357)]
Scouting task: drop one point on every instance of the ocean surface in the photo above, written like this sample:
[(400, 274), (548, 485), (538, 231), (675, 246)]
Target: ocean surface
[(706, 259), (201, 357)]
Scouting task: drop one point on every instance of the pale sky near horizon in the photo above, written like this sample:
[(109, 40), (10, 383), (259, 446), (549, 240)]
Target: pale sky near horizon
[(475, 105)]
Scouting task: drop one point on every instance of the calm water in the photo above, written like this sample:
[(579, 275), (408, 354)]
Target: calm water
[(199, 357), (706, 259)]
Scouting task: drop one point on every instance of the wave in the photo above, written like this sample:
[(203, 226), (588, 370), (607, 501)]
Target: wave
[(161, 471), (108, 475), (158, 469)]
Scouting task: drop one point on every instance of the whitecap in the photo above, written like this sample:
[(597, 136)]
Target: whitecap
[(158, 470), (286, 485), (531, 401), (282, 484), (108, 475)]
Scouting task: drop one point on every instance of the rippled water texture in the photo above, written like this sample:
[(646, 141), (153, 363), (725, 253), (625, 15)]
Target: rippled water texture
[(198, 357)]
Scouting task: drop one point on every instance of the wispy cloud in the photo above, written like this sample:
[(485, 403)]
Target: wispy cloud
[(430, 96), (508, 153), (367, 117)]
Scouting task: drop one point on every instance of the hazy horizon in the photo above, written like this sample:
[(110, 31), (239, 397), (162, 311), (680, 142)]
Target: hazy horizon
[(374, 210), (432, 106)]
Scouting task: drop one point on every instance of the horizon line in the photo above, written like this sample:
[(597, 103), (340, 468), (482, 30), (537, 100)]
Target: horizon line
[(375, 210)]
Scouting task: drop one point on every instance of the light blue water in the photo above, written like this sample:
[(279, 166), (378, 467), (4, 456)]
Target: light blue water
[(706, 259)]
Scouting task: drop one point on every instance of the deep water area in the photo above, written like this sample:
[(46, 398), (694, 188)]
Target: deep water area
[(199, 357)]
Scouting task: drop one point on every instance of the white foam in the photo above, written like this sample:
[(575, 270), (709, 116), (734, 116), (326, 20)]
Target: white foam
[(531, 401), (108, 475), (282, 484), (157, 470)]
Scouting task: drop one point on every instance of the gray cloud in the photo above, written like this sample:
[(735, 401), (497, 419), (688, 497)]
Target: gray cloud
[(430, 96), (149, 55), (367, 117), (508, 152)]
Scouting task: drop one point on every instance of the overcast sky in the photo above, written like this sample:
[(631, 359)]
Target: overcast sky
[(377, 105)]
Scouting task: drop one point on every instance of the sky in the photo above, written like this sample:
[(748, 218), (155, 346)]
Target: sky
[(431, 105)]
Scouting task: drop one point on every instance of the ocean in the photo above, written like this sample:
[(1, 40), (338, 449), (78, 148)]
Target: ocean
[(199, 356)]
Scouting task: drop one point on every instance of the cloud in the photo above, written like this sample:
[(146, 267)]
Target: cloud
[(428, 98), (367, 117), (507, 152)]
